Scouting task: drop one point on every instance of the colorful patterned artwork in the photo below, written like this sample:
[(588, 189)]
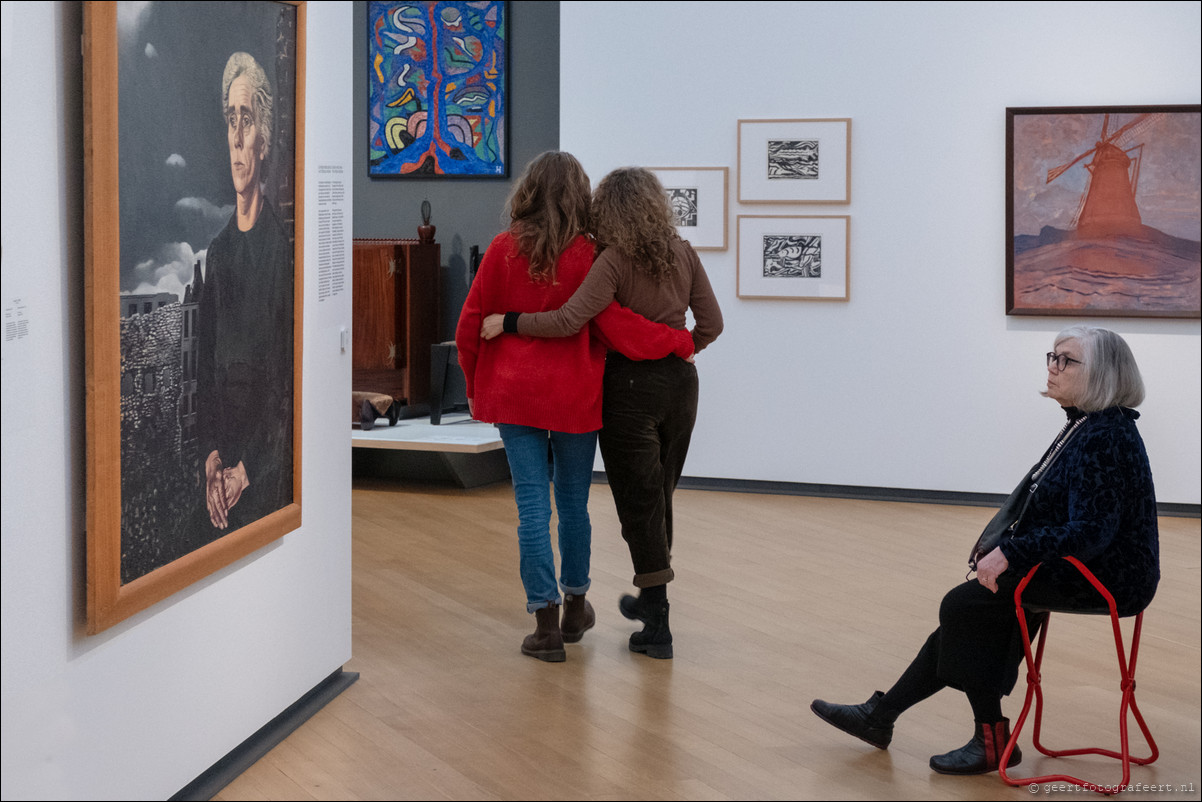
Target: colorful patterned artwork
[(437, 88)]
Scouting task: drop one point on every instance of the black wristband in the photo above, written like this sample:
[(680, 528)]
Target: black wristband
[(511, 323)]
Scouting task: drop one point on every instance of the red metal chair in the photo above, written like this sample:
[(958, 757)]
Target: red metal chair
[(1035, 691)]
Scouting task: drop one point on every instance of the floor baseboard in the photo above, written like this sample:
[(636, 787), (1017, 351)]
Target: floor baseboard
[(243, 756), (876, 493)]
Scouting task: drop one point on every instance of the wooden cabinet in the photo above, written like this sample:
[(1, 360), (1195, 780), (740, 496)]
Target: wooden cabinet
[(395, 317)]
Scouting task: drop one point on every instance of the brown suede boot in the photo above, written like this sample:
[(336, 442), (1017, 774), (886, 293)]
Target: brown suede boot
[(578, 618), (546, 643)]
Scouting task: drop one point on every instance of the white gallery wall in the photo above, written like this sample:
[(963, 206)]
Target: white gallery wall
[(142, 709), (920, 380)]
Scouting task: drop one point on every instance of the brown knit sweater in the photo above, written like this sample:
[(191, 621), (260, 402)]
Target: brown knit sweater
[(613, 276)]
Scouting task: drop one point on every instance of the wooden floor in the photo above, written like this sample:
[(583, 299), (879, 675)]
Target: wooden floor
[(777, 600)]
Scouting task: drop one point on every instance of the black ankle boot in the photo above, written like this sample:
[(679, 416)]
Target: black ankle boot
[(869, 722), (656, 638), (982, 754)]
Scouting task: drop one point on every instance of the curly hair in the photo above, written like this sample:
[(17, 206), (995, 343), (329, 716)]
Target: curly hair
[(631, 213), (548, 208)]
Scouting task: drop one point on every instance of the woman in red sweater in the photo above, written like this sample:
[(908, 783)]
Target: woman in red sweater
[(650, 406), (548, 391)]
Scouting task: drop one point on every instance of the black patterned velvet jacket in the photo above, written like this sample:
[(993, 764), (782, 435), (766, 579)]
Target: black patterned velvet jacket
[(1096, 503)]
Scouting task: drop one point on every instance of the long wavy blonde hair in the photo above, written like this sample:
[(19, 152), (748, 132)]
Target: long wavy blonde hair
[(548, 209), (631, 213)]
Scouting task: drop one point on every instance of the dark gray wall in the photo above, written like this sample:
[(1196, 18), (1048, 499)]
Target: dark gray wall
[(466, 212)]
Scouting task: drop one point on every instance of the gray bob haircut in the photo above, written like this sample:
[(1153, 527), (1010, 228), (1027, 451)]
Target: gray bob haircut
[(1111, 376), (245, 64)]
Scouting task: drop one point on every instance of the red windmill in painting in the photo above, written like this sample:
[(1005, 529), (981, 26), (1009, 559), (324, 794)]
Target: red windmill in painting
[(1108, 207)]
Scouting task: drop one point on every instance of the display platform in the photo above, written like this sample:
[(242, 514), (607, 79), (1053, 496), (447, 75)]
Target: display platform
[(458, 449)]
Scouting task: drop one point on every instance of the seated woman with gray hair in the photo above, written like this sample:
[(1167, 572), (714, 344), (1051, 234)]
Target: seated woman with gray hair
[(1090, 497)]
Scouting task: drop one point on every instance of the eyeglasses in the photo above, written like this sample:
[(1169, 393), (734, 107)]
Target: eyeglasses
[(1061, 361)]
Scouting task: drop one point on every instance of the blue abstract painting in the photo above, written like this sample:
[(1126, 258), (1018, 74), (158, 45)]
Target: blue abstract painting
[(437, 89)]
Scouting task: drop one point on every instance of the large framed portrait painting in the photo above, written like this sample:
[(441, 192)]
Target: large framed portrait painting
[(193, 232)]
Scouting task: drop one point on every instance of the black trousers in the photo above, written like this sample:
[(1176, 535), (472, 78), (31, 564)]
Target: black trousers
[(978, 643), (648, 413), (977, 647)]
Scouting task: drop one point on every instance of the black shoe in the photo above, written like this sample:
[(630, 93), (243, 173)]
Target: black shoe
[(864, 721), (656, 638), (630, 607), (982, 754)]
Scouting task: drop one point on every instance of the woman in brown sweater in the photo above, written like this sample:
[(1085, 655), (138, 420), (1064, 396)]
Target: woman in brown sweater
[(648, 407)]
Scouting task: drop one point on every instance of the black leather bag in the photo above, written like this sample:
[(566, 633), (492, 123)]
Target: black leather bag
[(1011, 513), (1005, 520)]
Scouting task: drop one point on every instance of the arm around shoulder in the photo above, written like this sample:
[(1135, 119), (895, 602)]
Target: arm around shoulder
[(592, 296), (638, 338)]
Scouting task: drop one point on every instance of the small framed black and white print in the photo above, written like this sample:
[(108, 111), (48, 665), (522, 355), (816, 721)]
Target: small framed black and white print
[(795, 161), (793, 257), (698, 198)]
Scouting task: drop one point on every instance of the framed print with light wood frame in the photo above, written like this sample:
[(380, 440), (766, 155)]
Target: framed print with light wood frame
[(194, 148), (698, 198), (793, 257), (1102, 211), (795, 161)]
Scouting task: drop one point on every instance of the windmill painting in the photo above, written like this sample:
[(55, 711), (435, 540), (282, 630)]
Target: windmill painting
[(1103, 211)]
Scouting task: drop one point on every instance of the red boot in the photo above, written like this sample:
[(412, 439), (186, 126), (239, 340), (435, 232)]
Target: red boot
[(982, 754)]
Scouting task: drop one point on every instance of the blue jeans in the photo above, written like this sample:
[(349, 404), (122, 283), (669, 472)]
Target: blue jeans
[(571, 472)]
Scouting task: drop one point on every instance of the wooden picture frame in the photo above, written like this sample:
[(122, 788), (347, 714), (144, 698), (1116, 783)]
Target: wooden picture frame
[(1102, 211), (793, 257), (795, 161), (438, 89), (182, 145), (699, 200)]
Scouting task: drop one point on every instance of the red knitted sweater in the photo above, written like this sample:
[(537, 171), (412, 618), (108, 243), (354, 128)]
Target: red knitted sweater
[(547, 383)]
